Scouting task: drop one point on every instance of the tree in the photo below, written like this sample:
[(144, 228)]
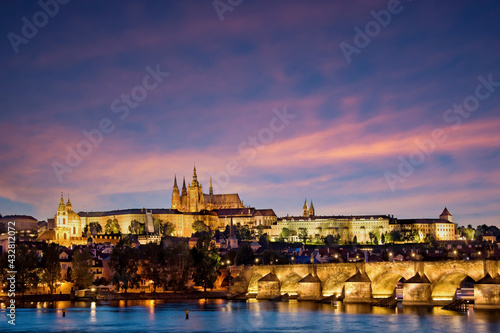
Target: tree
[(382, 238), (26, 266), (264, 240), (331, 239), (206, 261), (269, 257), (93, 228), (284, 234), (243, 233), (260, 230), (82, 263), (394, 236), (168, 229), (136, 227), (303, 234), (244, 255), (469, 233), (155, 264), (180, 265), (124, 263), (51, 268), (199, 226), (158, 226), (355, 240), (372, 236), (112, 227)]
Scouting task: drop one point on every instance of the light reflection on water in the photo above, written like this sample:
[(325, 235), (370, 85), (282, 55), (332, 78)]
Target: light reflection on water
[(232, 316)]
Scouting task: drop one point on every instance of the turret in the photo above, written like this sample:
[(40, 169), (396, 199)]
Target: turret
[(68, 205), (62, 206), (445, 215), (211, 191), (305, 211)]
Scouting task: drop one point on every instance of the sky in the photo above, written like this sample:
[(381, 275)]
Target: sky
[(363, 107)]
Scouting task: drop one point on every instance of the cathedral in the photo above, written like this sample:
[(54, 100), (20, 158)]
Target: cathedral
[(192, 199)]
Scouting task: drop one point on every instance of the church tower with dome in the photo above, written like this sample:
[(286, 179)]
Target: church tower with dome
[(67, 223)]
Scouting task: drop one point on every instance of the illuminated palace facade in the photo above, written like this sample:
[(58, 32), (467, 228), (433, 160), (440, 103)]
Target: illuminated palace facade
[(188, 206), (361, 226)]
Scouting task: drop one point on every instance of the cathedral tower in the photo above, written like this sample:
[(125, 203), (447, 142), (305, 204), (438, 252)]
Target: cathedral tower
[(311, 209), (305, 211), (176, 197)]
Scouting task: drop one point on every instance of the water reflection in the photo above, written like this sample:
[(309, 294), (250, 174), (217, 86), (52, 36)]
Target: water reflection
[(231, 316)]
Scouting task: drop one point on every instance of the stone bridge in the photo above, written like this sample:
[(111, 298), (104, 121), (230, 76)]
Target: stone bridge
[(426, 283)]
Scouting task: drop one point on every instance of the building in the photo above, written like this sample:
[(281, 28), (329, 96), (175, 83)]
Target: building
[(346, 227), (193, 199), (363, 227), (21, 223), (442, 229), (188, 206)]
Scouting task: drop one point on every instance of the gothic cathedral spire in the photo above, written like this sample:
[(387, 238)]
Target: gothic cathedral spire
[(311, 209), (305, 211), (184, 188)]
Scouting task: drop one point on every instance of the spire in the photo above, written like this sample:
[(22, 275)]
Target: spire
[(184, 189), (305, 211), (311, 209), (69, 202), (195, 183), (62, 199), (211, 188), (305, 204), (175, 182)]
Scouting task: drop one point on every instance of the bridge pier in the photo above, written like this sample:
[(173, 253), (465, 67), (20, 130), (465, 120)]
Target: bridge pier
[(238, 285), (269, 287), (487, 293), (358, 289), (417, 291), (309, 288)]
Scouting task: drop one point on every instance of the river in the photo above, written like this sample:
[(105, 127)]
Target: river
[(235, 316)]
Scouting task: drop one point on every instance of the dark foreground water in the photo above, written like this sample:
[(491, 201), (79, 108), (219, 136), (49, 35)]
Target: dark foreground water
[(233, 316)]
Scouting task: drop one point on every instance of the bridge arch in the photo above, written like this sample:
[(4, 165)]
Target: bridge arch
[(253, 286), (290, 284), (385, 285), (446, 286), (335, 283)]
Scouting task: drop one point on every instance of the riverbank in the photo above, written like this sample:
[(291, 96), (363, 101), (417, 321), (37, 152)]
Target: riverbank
[(119, 296)]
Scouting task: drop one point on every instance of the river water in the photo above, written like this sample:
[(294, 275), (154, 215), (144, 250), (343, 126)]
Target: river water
[(235, 316)]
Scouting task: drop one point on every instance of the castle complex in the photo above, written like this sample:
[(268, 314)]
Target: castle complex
[(218, 210), (188, 206)]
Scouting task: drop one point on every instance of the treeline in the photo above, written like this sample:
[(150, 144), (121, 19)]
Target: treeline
[(471, 233), (30, 269)]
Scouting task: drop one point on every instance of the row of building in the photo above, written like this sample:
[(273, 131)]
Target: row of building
[(190, 204)]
